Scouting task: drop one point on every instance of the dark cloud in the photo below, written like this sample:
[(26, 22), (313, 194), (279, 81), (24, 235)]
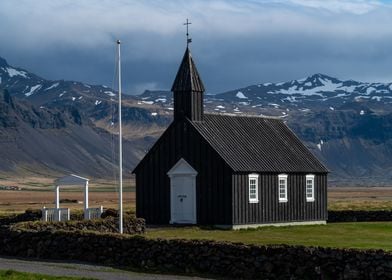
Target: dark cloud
[(236, 43)]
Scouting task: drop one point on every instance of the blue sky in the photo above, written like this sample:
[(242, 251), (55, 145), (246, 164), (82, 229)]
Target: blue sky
[(235, 43)]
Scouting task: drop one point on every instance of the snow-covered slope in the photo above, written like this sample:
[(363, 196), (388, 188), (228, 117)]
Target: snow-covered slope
[(39, 91), (315, 92)]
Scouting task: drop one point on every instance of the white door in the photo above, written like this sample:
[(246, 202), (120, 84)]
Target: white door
[(183, 199), (182, 193)]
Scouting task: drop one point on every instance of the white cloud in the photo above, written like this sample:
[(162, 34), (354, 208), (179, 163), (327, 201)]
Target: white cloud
[(88, 23), (341, 6)]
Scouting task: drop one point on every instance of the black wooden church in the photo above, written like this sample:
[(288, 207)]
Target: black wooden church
[(225, 170)]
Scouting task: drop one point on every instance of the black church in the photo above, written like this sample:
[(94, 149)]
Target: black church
[(228, 171)]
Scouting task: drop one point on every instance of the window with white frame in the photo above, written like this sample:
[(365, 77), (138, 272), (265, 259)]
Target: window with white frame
[(309, 188), (282, 179), (253, 188)]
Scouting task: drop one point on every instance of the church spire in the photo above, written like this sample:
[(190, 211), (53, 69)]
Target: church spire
[(187, 78), (188, 88)]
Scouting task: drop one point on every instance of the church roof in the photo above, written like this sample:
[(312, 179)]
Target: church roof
[(257, 144), (187, 78)]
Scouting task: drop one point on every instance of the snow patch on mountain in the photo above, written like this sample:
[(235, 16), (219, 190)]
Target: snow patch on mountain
[(378, 98), (241, 95), (349, 89), (33, 90), (52, 86), (369, 90), (327, 86), (320, 144), (110, 93), (12, 72)]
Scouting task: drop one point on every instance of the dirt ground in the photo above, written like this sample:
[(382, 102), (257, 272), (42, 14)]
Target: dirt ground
[(16, 201), (38, 192), (360, 198)]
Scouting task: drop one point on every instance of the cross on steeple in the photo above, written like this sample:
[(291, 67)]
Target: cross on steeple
[(188, 39)]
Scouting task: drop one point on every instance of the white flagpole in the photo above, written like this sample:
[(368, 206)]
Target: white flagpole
[(120, 140)]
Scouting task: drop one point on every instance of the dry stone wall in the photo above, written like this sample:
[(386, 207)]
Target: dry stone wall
[(359, 216), (28, 215), (131, 225), (228, 260)]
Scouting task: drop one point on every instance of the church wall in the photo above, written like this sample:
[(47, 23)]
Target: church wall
[(269, 209), (213, 182)]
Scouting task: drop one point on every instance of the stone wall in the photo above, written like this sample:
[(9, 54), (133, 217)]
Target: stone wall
[(131, 225), (359, 216), (28, 215), (220, 259), (333, 216)]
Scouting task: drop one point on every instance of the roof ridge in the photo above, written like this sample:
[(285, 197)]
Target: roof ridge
[(261, 116)]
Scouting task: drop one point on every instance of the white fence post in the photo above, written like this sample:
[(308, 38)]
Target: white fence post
[(44, 214)]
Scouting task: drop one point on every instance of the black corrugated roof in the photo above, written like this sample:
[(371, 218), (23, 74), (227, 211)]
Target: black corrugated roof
[(187, 78), (257, 144)]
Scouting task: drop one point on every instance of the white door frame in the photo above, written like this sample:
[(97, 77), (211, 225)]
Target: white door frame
[(182, 168)]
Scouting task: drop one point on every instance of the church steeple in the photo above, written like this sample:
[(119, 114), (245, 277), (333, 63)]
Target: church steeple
[(188, 90)]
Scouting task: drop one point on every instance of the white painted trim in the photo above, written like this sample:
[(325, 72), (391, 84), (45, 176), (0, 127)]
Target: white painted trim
[(71, 180), (255, 177), (283, 177), (190, 172), (247, 226), (309, 177)]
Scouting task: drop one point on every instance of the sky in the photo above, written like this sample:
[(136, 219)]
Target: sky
[(236, 43)]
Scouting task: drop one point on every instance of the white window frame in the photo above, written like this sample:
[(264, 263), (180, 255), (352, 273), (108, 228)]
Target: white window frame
[(252, 177), (309, 177), (282, 177)]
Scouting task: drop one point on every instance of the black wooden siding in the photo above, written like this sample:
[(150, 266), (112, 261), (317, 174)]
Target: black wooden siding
[(189, 105), (213, 182), (269, 209)]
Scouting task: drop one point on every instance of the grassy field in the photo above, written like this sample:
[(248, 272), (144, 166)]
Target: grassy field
[(39, 191), (372, 198), (19, 201), (14, 275), (375, 235)]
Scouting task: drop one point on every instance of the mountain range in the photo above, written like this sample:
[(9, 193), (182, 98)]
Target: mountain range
[(347, 124)]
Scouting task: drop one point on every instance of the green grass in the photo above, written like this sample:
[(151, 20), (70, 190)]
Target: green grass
[(371, 235), (14, 275)]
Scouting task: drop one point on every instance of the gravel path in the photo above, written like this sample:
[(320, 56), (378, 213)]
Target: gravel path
[(78, 270)]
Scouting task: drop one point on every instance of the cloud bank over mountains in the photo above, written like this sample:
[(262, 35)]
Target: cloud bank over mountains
[(235, 43)]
